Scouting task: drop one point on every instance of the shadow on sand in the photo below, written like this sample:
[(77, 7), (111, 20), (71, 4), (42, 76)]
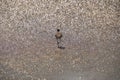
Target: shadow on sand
[(61, 47)]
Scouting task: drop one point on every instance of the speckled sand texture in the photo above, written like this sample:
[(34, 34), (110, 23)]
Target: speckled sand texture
[(91, 37)]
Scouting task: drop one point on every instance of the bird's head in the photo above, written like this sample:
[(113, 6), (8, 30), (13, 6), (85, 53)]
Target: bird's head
[(58, 30)]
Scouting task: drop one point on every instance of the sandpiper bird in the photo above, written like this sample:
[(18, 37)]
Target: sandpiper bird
[(58, 36)]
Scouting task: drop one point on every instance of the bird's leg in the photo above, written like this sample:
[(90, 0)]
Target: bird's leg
[(59, 45), (58, 42)]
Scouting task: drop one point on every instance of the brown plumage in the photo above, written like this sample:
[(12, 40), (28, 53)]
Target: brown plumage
[(58, 36)]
